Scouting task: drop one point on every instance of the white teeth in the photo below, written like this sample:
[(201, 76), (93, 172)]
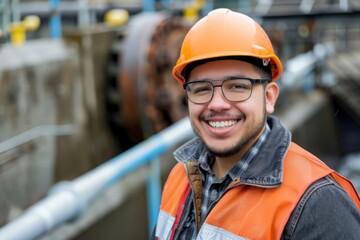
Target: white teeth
[(222, 124)]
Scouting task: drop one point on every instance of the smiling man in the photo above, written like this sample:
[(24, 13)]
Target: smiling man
[(230, 118), (242, 177)]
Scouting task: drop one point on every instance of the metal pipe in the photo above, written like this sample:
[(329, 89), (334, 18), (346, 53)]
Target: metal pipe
[(68, 200), (148, 5), (263, 6), (55, 20), (15, 9), (153, 193), (306, 5), (5, 16), (344, 5), (299, 72), (83, 14), (45, 130)]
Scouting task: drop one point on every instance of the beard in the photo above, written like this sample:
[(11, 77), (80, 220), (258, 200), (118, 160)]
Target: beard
[(244, 142), (240, 144)]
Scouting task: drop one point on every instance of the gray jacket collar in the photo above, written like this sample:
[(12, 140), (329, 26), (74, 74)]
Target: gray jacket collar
[(265, 170)]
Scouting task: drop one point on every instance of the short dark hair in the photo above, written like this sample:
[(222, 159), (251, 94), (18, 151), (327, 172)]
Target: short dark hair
[(265, 71)]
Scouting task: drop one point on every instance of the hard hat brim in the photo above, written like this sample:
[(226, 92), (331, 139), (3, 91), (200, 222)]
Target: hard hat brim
[(276, 66)]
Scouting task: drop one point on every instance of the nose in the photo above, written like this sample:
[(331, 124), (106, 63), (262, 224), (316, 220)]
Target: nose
[(218, 102)]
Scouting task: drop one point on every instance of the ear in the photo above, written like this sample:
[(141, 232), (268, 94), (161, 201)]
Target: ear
[(271, 95)]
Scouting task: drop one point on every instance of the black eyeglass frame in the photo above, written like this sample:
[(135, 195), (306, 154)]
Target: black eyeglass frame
[(252, 80)]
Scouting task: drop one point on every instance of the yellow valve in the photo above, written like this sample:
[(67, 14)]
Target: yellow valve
[(192, 11), (31, 22), (116, 17), (191, 14), (18, 36), (18, 29)]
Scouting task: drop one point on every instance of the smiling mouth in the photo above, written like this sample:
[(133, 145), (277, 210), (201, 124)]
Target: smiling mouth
[(222, 124)]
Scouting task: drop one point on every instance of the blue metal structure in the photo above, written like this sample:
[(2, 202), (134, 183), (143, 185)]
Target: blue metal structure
[(148, 5), (55, 20), (68, 200), (153, 192)]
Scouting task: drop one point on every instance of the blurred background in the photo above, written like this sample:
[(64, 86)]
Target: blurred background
[(83, 81)]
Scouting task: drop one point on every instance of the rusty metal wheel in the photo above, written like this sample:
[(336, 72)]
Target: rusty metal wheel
[(151, 99)]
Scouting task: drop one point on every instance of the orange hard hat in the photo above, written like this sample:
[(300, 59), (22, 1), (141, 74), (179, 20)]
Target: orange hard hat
[(224, 33)]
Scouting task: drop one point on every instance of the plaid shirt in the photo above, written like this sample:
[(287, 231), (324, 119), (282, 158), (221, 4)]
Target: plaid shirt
[(214, 188)]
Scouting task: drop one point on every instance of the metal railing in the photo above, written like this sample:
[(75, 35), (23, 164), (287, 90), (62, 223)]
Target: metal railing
[(34, 133), (68, 200)]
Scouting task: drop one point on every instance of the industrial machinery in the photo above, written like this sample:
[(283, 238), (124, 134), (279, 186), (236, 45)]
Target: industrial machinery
[(70, 103)]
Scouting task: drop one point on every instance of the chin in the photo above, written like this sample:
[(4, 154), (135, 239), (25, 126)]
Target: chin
[(224, 152)]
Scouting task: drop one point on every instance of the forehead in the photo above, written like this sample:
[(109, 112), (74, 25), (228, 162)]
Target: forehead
[(220, 69)]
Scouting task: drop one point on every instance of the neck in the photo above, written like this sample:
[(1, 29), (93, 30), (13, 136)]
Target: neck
[(222, 165)]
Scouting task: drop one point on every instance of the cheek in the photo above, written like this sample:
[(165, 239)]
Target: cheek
[(194, 109), (261, 102), (254, 104)]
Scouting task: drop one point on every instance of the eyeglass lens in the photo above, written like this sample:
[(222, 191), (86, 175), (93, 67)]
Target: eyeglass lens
[(233, 90)]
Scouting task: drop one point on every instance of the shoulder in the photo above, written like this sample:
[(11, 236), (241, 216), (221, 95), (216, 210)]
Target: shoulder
[(325, 211), (177, 172)]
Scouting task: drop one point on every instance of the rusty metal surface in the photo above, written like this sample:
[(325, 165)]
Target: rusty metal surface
[(150, 99)]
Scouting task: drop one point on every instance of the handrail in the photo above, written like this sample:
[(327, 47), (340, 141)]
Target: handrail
[(36, 132), (68, 200)]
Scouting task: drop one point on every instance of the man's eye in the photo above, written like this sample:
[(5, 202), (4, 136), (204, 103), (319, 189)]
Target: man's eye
[(203, 89), (200, 88), (238, 87)]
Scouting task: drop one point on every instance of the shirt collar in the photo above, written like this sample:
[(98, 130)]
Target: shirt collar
[(195, 151)]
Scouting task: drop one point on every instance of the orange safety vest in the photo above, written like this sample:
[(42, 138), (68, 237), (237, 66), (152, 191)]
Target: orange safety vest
[(248, 212)]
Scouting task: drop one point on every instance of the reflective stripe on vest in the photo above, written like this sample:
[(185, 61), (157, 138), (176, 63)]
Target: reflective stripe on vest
[(259, 213), (164, 225), (171, 201), (215, 233)]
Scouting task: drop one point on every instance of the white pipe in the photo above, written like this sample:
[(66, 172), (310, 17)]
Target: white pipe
[(344, 5), (45, 130)]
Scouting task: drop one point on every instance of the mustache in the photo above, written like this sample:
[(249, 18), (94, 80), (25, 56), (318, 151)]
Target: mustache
[(210, 116)]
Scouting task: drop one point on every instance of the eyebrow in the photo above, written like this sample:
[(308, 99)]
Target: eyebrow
[(230, 77)]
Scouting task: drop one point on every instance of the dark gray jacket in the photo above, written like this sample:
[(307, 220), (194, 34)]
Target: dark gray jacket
[(325, 211)]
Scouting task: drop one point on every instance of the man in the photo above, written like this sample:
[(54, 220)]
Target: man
[(242, 177)]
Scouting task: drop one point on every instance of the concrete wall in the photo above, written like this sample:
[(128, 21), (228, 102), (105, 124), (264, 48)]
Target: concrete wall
[(52, 101), (34, 80)]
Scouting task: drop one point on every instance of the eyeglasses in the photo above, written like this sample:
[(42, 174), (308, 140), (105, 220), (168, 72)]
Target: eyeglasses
[(233, 89)]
